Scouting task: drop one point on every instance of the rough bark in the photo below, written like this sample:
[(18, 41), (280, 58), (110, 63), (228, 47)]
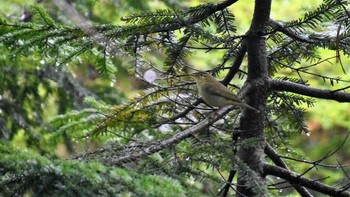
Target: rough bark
[(251, 181)]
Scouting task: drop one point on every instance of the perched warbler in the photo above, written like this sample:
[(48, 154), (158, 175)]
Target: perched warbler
[(216, 94)]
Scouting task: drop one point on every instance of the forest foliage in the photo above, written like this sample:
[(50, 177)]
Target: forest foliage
[(81, 114)]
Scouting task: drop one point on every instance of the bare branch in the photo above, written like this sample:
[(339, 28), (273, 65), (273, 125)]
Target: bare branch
[(314, 162), (281, 85), (181, 114), (347, 176), (229, 182), (273, 155), (296, 178), (318, 162), (234, 68), (305, 71)]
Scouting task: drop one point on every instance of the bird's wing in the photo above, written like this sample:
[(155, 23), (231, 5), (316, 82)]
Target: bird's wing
[(223, 92)]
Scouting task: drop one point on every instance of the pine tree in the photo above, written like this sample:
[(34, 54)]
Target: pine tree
[(161, 141)]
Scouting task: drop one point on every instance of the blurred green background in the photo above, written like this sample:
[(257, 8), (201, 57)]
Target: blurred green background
[(328, 121)]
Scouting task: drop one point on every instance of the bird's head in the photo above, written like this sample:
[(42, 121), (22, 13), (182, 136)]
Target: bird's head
[(202, 76)]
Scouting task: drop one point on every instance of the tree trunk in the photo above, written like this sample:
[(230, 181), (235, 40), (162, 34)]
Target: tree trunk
[(251, 181)]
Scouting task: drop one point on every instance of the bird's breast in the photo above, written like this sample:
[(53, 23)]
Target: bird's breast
[(214, 99)]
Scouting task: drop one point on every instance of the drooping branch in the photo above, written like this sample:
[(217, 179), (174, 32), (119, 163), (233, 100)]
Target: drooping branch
[(281, 85), (157, 146), (273, 155), (311, 184)]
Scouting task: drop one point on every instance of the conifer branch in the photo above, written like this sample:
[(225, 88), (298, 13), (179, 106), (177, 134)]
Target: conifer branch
[(281, 85), (197, 14), (311, 184), (278, 26), (176, 138)]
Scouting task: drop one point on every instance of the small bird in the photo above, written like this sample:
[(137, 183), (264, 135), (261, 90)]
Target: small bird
[(216, 94)]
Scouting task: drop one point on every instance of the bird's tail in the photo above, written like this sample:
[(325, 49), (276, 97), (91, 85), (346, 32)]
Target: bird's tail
[(249, 107)]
